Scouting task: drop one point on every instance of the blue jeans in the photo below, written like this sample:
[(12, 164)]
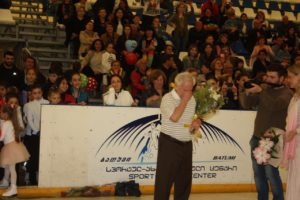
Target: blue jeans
[(263, 174)]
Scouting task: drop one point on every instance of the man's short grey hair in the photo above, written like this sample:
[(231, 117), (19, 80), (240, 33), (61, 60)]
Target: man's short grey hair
[(184, 77)]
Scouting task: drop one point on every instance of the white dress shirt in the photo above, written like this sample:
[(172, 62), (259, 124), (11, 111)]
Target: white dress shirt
[(32, 116)]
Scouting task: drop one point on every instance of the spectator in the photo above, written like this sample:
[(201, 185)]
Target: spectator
[(217, 68), (3, 92), (208, 54), (109, 36), (54, 96), (77, 24), (244, 28), (240, 81), (87, 38), (260, 16), (9, 73), (116, 95), (32, 118), (211, 5), (55, 71), (126, 35), (231, 26), (192, 60), (119, 21), (159, 30), (138, 78), (255, 33), (62, 86), (292, 39), (65, 12), (100, 21), (179, 21), (223, 43), (116, 69), (230, 93), (30, 62), (108, 56), (261, 44), (284, 25), (169, 50), (79, 96), (153, 96), (197, 34), (29, 81), (84, 4), (149, 47), (284, 54), (277, 43), (123, 4), (210, 23), (91, 64), (169, 68), (260, 65)]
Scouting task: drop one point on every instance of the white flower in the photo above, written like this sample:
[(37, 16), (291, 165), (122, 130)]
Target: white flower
[(215, 96), (261, 155), (266, 144)]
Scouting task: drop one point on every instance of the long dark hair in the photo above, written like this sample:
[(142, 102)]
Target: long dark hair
[(12, 114)]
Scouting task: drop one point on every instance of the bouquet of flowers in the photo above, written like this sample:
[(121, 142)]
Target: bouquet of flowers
[(269, 149), (208, 101)]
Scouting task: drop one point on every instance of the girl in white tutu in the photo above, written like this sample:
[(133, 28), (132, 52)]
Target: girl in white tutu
[(13, 150)]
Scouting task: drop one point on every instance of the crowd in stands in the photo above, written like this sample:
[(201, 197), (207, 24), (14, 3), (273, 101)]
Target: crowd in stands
[(134, 57)]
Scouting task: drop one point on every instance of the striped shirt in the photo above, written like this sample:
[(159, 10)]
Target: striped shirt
[(176, 129)]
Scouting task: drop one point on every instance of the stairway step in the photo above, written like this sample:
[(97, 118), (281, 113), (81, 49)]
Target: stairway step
[(47, 50), (37, 34), (65, 60), (45, 42), (31, 19), (25, 12), (34, 26), (25, 6), (11, 39)]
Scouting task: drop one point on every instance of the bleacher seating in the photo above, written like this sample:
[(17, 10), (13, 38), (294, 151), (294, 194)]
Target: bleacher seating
[(273, 5), (29, 24)]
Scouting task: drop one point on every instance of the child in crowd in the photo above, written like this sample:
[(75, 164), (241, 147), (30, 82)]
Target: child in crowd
[(108, 57), (3, 91), (13, 151), (31, 75), (54, 96), (13, 99), (55, 71), (79, 96), (32, 118), (116, 69), (63, 87)]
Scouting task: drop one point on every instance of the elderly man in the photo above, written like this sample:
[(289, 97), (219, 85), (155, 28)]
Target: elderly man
[(174, 160)]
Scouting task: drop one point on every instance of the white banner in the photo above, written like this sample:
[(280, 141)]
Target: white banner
[(87, 145)]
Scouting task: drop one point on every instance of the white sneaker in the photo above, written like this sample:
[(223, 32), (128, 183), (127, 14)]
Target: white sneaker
[(11, 192), (4, 183)]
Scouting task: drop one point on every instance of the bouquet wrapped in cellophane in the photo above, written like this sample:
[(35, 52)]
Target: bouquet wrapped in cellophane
[(208, 101), (270, 148)]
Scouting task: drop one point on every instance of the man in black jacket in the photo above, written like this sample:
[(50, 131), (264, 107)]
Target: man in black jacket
[(9, 73)]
